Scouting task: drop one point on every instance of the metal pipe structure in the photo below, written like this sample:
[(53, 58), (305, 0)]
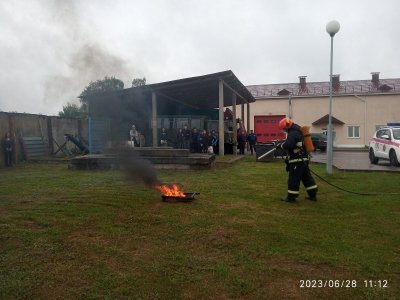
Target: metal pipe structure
[(332, 28), (221, 118), (234, 124), (329, 149), (365, 118), (154, 118)]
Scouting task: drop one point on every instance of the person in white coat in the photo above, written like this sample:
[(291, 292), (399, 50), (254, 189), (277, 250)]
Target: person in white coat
[(134, 135)]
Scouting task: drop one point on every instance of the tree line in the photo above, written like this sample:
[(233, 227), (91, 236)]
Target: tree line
[(108, 84)]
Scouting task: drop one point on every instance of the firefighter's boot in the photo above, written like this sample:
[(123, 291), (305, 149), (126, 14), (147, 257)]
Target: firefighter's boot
[(289, 198), (312, 195)]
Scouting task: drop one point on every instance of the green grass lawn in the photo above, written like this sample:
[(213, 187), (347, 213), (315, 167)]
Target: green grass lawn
[(68, 234)]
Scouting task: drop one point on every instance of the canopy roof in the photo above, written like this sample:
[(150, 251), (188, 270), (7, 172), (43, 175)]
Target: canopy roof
[(197, 92), (325, 120)]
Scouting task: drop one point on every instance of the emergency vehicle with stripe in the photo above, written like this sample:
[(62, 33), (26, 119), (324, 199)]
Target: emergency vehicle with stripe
[(385, 145)]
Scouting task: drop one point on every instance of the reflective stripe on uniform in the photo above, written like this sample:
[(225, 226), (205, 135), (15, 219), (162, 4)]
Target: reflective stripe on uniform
[(311, 187), (299, 144), (293, 192), (297, 160)]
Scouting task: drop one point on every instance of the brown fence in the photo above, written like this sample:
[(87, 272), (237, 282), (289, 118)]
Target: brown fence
[(39, 135)]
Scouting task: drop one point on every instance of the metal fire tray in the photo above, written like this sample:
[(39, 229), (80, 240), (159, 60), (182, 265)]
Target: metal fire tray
[(189, 197)]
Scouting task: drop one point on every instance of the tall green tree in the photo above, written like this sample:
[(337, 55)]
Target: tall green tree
[(138, 82), (71, 111), (104, 85)]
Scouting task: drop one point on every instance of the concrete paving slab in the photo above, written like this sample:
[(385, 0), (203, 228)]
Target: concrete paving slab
[(353, 161)]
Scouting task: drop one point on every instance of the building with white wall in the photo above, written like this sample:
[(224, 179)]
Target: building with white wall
[(359, 107)]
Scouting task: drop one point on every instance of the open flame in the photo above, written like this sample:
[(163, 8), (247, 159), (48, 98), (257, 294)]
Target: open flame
[(173, 190)]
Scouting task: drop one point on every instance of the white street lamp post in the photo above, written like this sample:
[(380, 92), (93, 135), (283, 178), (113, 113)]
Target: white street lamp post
[(332, 28)]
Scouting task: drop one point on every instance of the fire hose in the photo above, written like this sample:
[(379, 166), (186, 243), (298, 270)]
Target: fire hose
[(326, 181), (348, 191)]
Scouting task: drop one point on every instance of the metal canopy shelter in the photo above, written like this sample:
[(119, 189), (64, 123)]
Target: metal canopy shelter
[(217, 90)]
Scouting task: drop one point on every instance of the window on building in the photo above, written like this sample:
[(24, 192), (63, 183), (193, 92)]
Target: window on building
[(353, 132)]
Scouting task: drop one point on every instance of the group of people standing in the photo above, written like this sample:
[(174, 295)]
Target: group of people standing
[(197, 142), (242, 138), (204, 141)]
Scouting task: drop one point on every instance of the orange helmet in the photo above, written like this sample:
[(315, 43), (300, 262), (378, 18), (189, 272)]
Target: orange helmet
[(285, 123)]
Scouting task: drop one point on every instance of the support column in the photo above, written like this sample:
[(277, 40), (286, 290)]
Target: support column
[(221, 119), (11, 130), (242, 112), (248, 124), (154, 118), (234, 124), (50, 133), (248, 117)]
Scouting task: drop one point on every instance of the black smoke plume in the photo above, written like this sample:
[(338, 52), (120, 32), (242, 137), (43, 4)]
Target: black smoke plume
[(134, 167)]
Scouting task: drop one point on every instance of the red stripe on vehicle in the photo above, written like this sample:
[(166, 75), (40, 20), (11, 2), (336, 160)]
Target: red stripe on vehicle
[(383, 141)]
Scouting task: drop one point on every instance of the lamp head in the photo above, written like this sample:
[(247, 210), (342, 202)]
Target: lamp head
[(332, 27)]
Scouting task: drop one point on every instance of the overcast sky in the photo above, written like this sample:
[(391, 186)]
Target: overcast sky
[(50, 50)]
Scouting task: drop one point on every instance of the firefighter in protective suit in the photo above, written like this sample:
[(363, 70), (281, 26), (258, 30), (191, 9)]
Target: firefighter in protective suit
[(297, 162)]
